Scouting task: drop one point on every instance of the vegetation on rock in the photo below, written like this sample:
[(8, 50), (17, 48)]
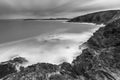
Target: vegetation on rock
[(102, 17)]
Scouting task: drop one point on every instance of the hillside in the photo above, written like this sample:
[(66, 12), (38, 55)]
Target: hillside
[(101, 60), (102, 17)]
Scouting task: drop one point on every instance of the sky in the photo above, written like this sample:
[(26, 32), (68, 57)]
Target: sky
[(52, 8)]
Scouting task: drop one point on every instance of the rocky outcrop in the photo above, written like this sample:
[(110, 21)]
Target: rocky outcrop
[(105, 37), (11, 66), (101, 60), (102, 17), (34, 72)]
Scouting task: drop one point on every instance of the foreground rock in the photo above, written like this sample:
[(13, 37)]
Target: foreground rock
[(102, 17), (11, 66), (99, 61)]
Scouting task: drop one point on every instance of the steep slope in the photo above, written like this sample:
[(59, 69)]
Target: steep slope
[(102, 17), (101, 60)]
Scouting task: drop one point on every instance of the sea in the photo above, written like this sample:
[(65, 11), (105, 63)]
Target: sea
[(43, 41)]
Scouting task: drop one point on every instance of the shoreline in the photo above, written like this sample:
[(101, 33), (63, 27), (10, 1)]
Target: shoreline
[(101, 25)]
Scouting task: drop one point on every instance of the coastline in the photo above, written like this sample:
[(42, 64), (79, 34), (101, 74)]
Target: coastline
[(100, 25)]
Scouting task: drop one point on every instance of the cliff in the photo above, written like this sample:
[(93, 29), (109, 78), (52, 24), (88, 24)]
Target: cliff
[(101, 59), (102, 17)]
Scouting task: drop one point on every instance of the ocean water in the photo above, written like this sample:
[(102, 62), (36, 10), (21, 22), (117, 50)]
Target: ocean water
[(12, 30), (43, 41)]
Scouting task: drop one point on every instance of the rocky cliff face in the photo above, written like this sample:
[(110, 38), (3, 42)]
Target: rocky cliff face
[(103, 17), (99, 61)]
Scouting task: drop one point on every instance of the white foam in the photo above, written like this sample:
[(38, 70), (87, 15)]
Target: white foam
[(57, 48)]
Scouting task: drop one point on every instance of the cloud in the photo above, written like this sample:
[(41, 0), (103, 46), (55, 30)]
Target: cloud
[(101, 5), (53, 8)]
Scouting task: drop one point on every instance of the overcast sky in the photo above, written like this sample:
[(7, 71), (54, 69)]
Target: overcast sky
[(52, 8)]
